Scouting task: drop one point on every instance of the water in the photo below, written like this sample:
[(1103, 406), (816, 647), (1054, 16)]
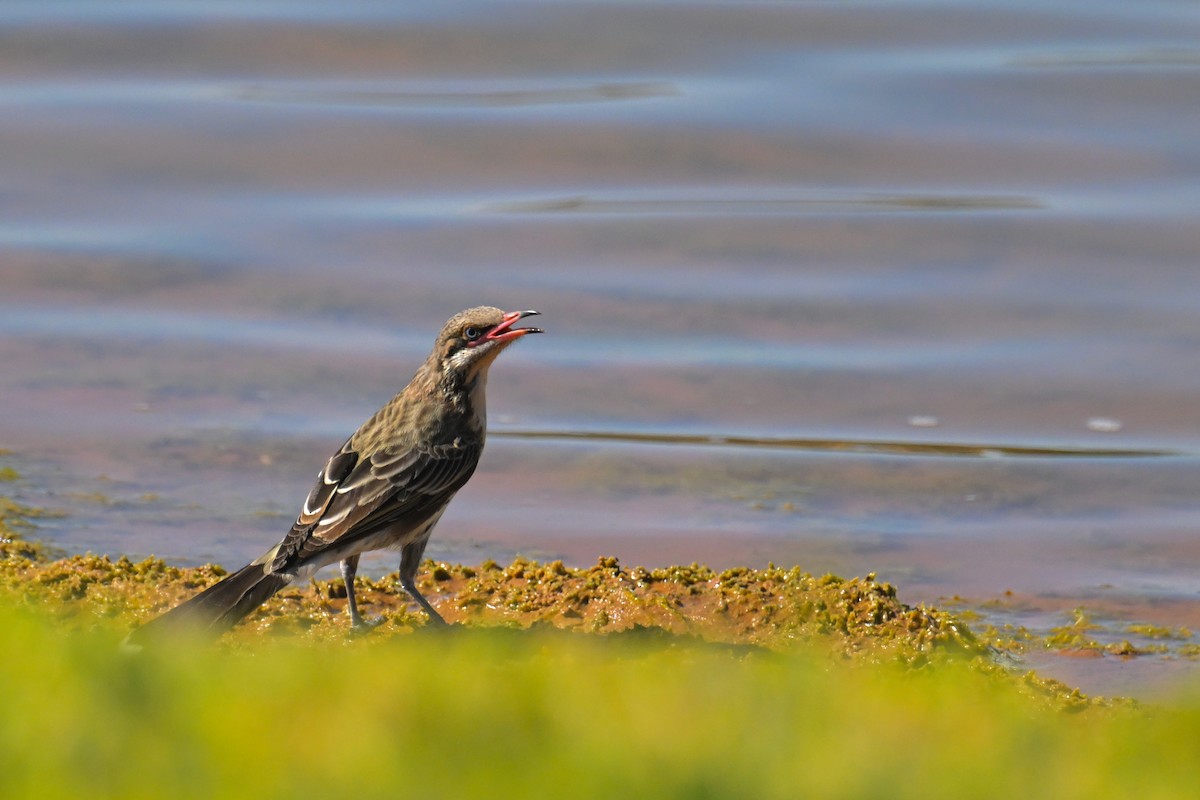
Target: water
[(901, 287)]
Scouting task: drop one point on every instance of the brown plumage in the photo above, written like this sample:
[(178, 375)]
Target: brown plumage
[(386, 487)]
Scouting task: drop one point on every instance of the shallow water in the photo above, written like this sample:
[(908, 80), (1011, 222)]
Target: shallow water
[(909, 288)]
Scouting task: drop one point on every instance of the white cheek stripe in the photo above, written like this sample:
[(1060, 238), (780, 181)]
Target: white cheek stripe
[(457, 361)]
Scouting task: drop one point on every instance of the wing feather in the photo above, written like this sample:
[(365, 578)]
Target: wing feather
[(355, 497), (328, 479)]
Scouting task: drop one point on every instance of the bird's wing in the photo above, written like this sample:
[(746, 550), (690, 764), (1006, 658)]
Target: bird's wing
[(356, 496)]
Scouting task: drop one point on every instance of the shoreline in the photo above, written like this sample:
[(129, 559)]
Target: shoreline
[(851, 620)]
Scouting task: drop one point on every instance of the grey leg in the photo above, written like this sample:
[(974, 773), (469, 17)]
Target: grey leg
[(410, 559), (349, 570)]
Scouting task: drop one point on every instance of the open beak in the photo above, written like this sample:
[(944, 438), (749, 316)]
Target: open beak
[(505, 332)]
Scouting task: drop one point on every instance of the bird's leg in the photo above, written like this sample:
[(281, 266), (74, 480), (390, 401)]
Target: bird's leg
[(349, 570), (410, 559)]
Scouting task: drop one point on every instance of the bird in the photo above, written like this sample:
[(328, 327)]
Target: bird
[(386, 487)]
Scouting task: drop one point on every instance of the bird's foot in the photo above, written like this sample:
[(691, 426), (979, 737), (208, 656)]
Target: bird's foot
[(360, 625), (435, 624)]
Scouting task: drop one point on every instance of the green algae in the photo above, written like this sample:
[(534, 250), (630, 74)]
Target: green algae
[(852, 621), (1085, 634), (1076, 634), (1159, 631), (15, 518)]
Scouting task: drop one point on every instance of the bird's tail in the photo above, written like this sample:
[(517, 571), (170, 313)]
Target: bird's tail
[(216, 609)]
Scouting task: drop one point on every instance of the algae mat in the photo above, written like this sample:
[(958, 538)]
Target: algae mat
[(598, 682)]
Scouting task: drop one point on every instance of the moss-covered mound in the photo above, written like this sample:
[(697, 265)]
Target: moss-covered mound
[(857, 620)]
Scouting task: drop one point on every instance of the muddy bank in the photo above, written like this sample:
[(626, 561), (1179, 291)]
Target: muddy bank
[(855, 620)]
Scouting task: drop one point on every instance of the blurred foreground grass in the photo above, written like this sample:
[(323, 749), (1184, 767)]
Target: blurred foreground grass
[(504, 713), (604, 682)]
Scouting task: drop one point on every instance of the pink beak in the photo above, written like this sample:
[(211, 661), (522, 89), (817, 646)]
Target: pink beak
[(505, 332)]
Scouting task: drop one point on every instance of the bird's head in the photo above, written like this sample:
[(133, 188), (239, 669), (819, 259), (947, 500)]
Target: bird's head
[(471, 339)]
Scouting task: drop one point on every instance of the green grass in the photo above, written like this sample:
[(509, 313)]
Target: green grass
[(505, 713)]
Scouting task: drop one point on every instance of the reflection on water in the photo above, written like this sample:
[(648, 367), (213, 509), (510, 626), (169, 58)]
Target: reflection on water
[(836, 445), (1150, 57), (458, 94), (907, 289), (761, 206)]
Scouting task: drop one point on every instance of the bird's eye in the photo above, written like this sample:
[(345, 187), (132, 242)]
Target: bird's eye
[(472, 333)]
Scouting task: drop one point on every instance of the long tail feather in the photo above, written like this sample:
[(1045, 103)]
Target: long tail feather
[(216, 609)]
